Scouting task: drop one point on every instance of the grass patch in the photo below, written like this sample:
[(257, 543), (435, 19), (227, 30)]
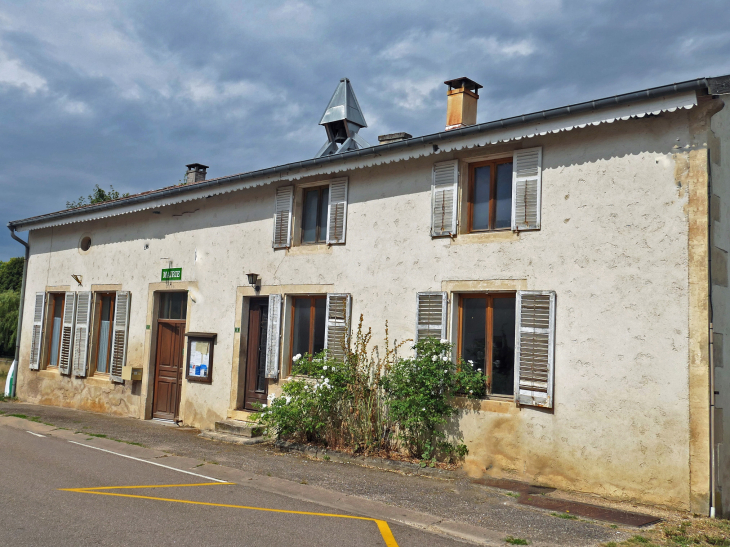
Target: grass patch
[(516, 541), (97, 435), (128, 442), (36, 419), (567, 516), (512, 494), (681, 532)]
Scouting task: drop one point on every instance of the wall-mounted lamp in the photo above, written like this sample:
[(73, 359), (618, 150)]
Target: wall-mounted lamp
[(253, 279), (78, 279)]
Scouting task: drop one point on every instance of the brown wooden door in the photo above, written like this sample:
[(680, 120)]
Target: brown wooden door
[(256, 384), (168, 369)]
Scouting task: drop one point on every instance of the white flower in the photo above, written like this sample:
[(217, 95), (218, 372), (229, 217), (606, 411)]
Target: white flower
[(324, 367), (434, 358), (444, 358), (297, 357), (444, 341), (263, 406), (470, 392), (446, 371), (479, 370), (421, 409), (271, 397), (470, 362), (287, 399)]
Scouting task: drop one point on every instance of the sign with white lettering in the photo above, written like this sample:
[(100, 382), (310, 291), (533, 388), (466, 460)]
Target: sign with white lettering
[(171, 274)]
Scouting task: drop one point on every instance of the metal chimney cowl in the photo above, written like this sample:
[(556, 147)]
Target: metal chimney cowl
[(196, 173), (461, 103), (342, 119)]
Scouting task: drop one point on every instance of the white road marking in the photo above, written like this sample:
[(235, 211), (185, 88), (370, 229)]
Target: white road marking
[(36, 434), (146, 461)]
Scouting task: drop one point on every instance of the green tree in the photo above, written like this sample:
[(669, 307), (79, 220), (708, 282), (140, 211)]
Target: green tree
[(98, 195), (11, 274), (9, 306)]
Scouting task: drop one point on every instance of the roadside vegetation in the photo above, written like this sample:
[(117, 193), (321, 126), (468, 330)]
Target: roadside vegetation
[(375, 403), (11, 277), (681, 532)]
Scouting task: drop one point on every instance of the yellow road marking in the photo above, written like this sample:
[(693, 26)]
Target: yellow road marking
[(383, 527)]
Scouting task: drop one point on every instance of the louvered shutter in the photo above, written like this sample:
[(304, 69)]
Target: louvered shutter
[(337, 212), (535, 348), (337, 325), (119, 335), (282, 217), (526, 189), (37, 337), (273, 336), (431, 315), (67, 332), (444, 188), (81, 335)]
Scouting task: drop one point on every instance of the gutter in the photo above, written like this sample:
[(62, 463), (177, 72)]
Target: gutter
[(13, 374), (713, 85)]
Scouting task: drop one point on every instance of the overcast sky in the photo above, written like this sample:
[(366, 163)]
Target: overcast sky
[(127, 92)]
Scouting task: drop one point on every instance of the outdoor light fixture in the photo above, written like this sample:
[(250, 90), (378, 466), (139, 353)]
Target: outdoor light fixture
[(253, 279)]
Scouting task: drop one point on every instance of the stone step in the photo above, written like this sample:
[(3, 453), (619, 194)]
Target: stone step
[(240, 428), (233, 439)]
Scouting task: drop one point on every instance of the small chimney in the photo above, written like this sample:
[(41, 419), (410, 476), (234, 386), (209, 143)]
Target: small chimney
[(394, 137), (195, 173), (461, 103)]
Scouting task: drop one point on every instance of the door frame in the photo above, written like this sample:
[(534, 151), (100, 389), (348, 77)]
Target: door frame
[(248, 364), (150, 351)]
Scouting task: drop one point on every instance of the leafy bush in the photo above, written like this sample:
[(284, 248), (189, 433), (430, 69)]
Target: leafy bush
[(98, 195), (9, 306), (369, 403)]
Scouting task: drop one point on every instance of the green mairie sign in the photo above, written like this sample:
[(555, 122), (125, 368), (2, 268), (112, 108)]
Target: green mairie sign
[(171, 274)]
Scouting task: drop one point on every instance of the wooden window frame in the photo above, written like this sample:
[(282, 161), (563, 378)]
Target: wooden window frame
[(320, 229), (492, 195), (293, 300), (97, 332), (51, 306), (488, 334)]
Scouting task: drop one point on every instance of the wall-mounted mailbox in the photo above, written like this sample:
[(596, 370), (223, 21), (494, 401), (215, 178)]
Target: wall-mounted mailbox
[(132, 373)]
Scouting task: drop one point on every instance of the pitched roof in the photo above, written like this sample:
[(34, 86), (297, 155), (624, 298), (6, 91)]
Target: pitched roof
[(638, 103)]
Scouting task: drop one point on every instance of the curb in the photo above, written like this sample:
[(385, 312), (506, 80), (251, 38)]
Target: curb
[(325, 454)]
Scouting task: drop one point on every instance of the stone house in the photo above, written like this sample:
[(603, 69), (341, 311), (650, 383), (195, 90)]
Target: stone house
[(578, 255)]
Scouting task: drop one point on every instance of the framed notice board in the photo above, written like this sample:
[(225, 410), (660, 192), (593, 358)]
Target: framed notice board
[(199, 363)]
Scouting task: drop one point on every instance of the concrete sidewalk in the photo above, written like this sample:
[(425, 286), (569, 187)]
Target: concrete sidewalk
[(442, 502)]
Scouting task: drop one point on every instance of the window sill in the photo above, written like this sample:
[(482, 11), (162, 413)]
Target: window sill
[(500, 405), (49, 373), (486, 237), (320, 248), (98, 380)]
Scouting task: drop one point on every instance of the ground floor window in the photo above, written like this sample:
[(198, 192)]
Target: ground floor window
[(55, 323), (104, 326), (486, 338), (308, 324)]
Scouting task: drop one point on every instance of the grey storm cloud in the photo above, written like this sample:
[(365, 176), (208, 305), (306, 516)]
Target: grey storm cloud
[(127, 93)]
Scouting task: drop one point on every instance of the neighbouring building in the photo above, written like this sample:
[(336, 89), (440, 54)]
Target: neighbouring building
[(578, 255)]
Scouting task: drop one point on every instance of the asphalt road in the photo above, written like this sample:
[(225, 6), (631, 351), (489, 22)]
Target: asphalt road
[(52, 494)]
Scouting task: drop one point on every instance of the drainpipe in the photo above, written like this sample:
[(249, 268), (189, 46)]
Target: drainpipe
[(713, 478), (16, 363)]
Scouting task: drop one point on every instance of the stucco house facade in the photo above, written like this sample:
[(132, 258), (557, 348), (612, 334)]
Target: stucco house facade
[(578, 255)]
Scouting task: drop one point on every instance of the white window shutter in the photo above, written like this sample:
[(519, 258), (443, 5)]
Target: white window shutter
[(273, 336), (81, 335), (431, 315), (337, 212), (337, 325), (526, 189), (535, 348), (67, 333), (444, 191), (119, 339), (37, 338), (282, 217)]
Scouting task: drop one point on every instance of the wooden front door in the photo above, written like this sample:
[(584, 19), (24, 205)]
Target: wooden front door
[(168, 369), (256, 384)]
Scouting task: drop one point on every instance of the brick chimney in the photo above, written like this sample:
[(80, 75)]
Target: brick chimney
[(195, 173), (461, 103)]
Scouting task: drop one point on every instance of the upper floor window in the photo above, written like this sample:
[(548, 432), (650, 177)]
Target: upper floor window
[(490, 195), (314, 215)]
